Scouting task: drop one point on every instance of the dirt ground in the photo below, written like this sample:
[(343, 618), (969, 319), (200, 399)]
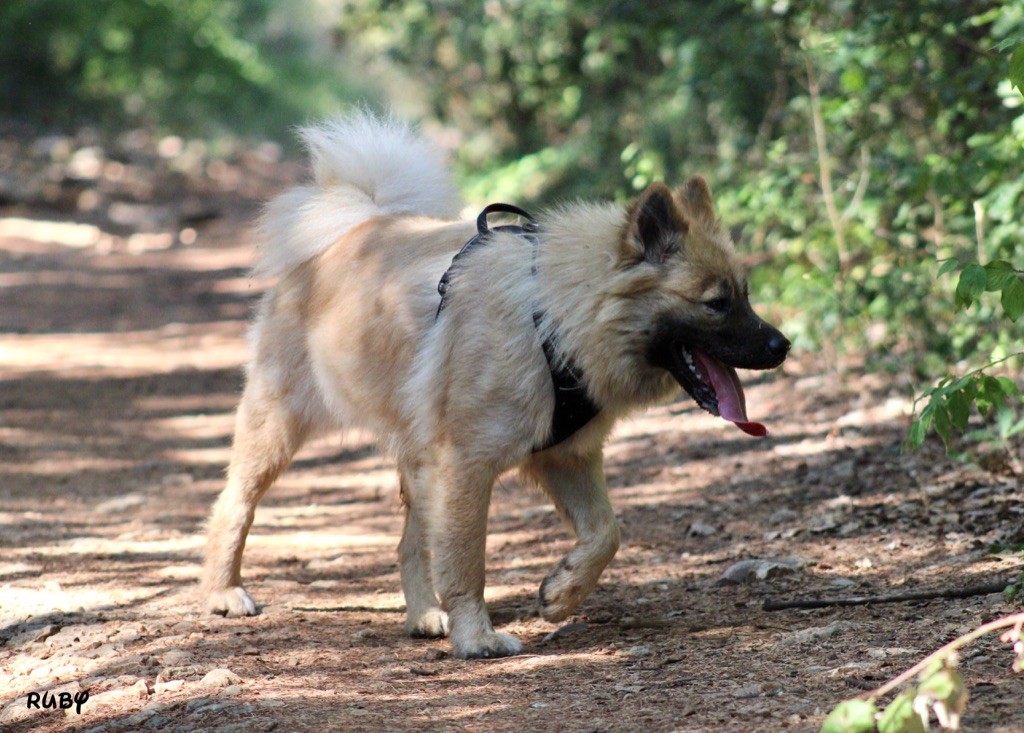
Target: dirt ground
[(122, 335)]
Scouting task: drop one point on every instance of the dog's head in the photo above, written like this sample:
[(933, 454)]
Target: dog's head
[(698, 321)]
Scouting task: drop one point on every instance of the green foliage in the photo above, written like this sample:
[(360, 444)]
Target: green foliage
[(996, 276), (610, 96), (192, 66), (1015, 590), (851, 716), (948, 405), (900, 717), (1017, 69)]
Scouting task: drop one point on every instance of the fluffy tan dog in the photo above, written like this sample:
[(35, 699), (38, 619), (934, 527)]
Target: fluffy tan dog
[(546, 337)]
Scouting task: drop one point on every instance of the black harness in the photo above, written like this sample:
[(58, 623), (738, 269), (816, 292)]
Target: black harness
[(573, 406)]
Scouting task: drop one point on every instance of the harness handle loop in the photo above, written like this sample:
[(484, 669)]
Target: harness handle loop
[(481, 221), (483, 230)]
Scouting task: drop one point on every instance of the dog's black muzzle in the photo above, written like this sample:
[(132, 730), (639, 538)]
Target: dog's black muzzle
[(743, 340)]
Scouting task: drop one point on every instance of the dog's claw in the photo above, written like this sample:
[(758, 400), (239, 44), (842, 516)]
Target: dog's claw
[(230, 602)]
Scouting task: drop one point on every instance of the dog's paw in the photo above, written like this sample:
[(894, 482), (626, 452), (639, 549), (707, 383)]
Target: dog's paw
[(560, 595), (488, 645), (431, 624), (230, 602)]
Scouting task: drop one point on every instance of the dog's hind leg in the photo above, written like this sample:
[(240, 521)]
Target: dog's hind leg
[(576, 485), (267, 434), (424, 617), (460, 492)]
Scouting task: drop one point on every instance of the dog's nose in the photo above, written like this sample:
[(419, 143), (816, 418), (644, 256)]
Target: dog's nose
[(778, 346)]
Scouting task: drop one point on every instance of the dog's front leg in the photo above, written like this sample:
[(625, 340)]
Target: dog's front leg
[(576, 484), (457, 525)]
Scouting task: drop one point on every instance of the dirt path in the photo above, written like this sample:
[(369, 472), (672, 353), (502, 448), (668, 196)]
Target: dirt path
[(119, 371)]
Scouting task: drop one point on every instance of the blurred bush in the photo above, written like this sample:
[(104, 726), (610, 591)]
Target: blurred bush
[(184, 66)]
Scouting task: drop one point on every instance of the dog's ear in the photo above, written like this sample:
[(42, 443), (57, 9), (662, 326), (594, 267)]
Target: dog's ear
[(694, 197), (656, 226)]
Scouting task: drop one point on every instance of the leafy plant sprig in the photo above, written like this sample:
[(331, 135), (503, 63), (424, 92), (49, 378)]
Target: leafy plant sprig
[(940, 689), (948, 403)]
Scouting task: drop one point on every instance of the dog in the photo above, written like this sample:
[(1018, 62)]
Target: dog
[(545, 334)]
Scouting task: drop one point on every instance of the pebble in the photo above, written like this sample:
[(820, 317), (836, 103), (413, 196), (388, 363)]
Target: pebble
[(700, 529), (782, 516), (141, 690), (33, 635), (221, 677), (141, 716), (746, 691), (423, 671), (231, 691), (126, 634), (179, 673), (746, 571), (169, 686), (15, 711), (120, 504), (815, 633), (175, 658), (103, 651), (641, 650)]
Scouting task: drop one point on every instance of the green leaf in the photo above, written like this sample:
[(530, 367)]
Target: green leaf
[(971, 285), (946, 688), (1013, 299), (965, 384), (948, 266), (1010, 388), (938, 685), (917, 432), (992, 389), (943, 424), (851, 716), (1000, 273), (900, 717), (1017, 69), (959, 409)]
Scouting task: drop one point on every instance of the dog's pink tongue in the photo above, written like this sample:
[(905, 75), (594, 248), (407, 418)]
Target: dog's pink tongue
[(732, 403)]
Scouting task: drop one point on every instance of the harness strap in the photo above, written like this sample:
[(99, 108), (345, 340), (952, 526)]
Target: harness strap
[(528, 230), (573, 406)]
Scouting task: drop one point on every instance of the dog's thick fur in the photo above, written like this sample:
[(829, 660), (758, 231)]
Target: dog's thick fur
[(347, 337)]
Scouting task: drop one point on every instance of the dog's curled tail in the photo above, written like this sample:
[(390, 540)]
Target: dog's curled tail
[(364, 165)]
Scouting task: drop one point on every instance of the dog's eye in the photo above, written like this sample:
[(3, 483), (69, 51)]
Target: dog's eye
[(718, 305)]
